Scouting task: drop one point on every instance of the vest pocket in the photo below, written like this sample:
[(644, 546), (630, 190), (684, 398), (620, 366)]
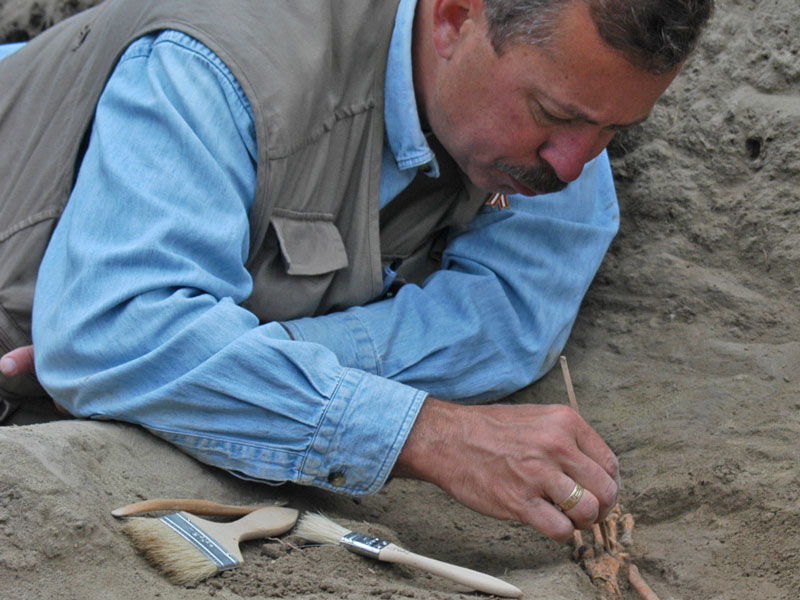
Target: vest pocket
[(294, 269), (309, 244)]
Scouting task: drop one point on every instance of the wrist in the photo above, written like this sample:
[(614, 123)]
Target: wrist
[(427, 443)]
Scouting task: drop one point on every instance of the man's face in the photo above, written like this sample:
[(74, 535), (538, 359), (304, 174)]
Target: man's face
[(529, 120)]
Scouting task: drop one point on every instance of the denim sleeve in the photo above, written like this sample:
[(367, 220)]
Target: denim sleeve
[(498, 314), (9, 49), (137, 312)]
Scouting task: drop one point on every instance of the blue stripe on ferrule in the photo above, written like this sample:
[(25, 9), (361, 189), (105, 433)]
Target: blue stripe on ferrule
[(216, 553)]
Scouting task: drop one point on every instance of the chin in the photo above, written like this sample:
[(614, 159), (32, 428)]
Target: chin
[(489, 184)]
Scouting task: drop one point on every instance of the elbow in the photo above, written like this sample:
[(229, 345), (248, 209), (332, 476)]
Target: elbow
[(66, 375)]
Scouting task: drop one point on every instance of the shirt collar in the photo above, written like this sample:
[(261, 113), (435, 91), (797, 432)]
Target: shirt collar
[(403, 130)]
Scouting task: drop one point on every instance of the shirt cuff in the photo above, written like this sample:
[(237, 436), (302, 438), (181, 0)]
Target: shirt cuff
[(364, 427)]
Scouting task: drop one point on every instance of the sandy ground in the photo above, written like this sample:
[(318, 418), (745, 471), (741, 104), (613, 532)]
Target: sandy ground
[(685, 357)]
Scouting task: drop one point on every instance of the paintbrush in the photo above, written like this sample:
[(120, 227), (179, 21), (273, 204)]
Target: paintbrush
[(319, 529), (188, 549)]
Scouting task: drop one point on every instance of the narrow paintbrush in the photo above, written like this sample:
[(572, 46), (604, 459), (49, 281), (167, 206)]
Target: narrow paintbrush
[(188, 549), (318, 528)]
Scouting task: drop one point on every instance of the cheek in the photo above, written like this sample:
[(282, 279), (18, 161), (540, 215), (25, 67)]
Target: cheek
[(602, 141), (506, 131), (523, 136)]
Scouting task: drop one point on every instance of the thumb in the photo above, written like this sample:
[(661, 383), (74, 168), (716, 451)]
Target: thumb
[(17, 362)]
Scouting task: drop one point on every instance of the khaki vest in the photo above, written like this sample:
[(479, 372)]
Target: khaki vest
[(313, 71)]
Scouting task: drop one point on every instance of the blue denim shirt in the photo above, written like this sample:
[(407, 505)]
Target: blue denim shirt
[(138, 316)]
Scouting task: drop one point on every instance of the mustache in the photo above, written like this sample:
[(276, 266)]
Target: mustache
[(541, 178)]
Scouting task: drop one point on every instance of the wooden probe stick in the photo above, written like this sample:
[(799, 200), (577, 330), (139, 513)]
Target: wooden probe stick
[(639, 584), (573, 402), (568, 381)]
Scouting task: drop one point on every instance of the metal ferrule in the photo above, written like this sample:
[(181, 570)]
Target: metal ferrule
[(363, 544), (181, 524)]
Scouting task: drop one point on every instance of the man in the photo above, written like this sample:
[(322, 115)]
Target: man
[(223, 216)]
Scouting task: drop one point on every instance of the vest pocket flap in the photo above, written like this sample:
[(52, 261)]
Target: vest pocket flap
[(309, 245)]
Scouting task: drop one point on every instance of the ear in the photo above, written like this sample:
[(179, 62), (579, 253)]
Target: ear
[(452, 19)]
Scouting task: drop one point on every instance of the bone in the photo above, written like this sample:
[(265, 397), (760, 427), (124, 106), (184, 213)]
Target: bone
[(626, 521), (639, 584)]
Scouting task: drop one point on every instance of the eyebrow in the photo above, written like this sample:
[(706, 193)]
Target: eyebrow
[(576, 113)]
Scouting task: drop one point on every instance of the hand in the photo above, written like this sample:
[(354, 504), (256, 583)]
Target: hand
[(514, 462), (17, 362), (20, 362)]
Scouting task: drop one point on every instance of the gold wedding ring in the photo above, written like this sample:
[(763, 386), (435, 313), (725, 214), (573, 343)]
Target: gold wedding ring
[(573, 498)]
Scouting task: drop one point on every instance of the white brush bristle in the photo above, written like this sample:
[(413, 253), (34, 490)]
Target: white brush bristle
[(176, 557), (318, 528)]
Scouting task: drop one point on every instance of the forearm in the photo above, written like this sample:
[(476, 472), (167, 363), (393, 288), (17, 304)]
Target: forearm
[(237, 398), (499, 312)]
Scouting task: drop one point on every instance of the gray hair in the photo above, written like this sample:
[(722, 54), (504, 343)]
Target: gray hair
[(656, 35)]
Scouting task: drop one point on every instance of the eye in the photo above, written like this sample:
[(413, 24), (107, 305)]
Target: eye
[(542, 115), (554, 119)]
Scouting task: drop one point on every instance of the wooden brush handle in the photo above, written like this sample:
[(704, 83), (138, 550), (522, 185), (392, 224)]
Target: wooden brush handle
[(190, 505), (263, 523), (473, 579)]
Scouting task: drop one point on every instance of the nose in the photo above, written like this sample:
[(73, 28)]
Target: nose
[(567, 150)]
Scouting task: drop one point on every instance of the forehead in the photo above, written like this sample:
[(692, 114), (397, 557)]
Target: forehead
[(578, 71)]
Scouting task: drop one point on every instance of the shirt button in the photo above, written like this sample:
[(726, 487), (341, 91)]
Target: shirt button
[(337, 478)]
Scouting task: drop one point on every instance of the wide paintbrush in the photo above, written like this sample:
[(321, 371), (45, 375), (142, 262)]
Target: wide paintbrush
[(188, 549)]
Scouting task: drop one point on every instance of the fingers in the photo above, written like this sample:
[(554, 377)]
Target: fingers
[(595, 448), (17, 362), (551, 520), (548, 520), (595, 467), (587, 462), (599, 485), (584, 511), (514, 462)]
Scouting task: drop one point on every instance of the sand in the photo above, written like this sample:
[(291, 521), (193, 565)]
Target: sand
[(686, 358)]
